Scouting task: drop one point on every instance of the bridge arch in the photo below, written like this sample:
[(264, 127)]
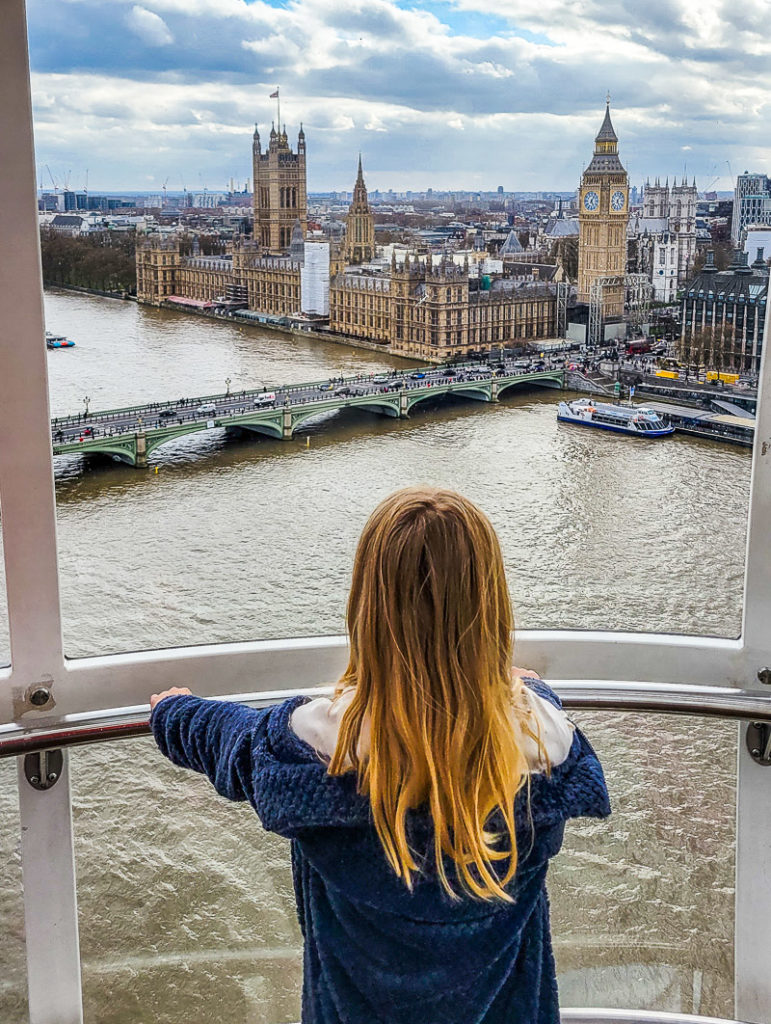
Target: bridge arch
[(155, 438), (122, 450), (480, 392), (380, 404), (269, 428), (541, 381)]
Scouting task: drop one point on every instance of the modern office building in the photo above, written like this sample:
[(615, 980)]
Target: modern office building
[(723, 314), (752, 204)]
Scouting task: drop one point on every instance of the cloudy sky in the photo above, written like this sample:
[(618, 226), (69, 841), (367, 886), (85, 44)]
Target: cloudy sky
[(461, 94)]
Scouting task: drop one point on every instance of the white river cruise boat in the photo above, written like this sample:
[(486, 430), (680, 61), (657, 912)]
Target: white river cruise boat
[(621, 419)]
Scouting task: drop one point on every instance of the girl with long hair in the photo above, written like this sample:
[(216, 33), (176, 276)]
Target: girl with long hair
[(425, 799)]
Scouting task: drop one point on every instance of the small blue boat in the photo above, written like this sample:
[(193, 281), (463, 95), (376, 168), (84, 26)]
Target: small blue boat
[(621, 419), (58, 341)]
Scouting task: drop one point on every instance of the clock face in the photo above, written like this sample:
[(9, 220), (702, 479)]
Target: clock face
[(618, 201), (591, 200)]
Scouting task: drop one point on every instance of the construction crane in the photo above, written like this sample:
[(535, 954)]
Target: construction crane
[(709, 185), (163, 186), (717, 177)]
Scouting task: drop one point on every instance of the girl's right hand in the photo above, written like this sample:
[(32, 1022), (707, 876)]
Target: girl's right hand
[(174, 691)]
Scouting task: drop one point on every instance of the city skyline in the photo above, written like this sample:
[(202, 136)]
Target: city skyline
[(448, 95)]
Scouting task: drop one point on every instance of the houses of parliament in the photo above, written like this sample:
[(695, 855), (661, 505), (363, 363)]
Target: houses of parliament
[(426, 306)]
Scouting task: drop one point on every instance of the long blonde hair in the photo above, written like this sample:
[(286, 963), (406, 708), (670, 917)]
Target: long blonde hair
[(430, 625)]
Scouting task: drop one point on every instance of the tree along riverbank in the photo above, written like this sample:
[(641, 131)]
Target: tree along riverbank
[(103, 262), (90, 291)]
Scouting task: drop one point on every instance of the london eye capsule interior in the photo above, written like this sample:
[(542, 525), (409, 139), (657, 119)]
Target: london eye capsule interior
[(641, 577)]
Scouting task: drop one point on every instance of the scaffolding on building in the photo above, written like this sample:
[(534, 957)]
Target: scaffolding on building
[(637, 302), (563, 290)]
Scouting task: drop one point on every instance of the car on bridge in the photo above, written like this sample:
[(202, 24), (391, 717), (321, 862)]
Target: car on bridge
[(166, 413), (380, 380), (207, 409), (417, 376), (266, 398), (342, 392)]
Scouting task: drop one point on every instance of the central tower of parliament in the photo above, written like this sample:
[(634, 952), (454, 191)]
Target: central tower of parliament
[(280, 190)]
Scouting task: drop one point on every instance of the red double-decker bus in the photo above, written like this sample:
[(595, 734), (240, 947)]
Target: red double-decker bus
[(638, 346)]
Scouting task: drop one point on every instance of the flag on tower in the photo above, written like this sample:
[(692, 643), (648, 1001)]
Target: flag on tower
[(274, 95)]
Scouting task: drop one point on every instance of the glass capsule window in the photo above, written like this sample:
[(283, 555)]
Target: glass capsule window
[(232, 533)]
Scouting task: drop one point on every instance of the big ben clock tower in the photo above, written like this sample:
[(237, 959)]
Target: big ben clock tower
[(603, 213)]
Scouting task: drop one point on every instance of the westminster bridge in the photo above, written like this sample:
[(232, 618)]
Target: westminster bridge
[(130, 435)]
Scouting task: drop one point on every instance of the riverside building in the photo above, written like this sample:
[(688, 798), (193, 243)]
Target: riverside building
[(724, 313), (431, 309), (245, 276)]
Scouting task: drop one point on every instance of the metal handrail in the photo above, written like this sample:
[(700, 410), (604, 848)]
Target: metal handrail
[(584, 695), (601, 1015)]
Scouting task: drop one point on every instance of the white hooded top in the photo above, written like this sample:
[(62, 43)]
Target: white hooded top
[(318, 724)]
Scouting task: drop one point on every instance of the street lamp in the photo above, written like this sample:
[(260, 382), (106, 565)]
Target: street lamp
[(227, 387), (86, 400)]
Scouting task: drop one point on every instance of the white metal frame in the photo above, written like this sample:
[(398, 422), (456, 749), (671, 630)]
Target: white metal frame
[(637, 288), (81, 685)]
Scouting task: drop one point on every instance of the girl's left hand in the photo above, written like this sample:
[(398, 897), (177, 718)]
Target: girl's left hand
[(174, 691)]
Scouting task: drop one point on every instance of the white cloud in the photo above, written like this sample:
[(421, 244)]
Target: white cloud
[(150, 28), (405, 85)]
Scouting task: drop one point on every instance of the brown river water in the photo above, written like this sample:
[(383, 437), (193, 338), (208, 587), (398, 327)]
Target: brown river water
[(187, 914)]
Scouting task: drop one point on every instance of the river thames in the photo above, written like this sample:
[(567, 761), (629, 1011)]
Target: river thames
[(186, 906)]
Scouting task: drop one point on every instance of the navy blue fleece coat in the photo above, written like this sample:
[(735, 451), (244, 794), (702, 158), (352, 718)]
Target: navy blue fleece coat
[(376, 953)]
